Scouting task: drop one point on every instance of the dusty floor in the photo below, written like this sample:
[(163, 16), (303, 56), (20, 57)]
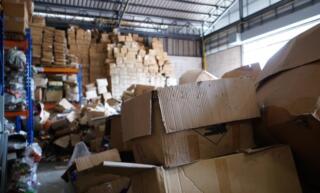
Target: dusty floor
[(49, 175)]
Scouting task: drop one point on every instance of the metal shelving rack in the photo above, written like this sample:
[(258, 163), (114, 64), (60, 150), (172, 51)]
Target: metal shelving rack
[(26, 46)]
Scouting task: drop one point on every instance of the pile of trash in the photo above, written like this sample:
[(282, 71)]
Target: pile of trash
[(15, 70), (59, 129), (23, 171)]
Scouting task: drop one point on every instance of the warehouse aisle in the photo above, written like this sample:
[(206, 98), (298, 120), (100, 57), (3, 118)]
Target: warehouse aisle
[(49, 175)]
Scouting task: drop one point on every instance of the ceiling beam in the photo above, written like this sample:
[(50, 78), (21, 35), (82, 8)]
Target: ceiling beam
[(123, 12), (197, 3), (111, 19), (158, 7), (39, 4)]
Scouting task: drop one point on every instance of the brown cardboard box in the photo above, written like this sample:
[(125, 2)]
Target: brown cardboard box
[(28, 3), (15, 17), (161, 127), (54, 95), (260, 171), (38, 21), (87, 174), (116, 139), (196, 76), (250, 71)]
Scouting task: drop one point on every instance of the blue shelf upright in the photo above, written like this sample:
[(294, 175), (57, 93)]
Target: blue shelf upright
[(3, 133), (29, 87), (79, 78)]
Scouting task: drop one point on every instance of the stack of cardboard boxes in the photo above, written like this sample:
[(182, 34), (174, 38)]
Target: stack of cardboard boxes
[(47, 46), (182, 143), (129, 62), (97, 61), (79, 43), (37, 25), (60, 48)]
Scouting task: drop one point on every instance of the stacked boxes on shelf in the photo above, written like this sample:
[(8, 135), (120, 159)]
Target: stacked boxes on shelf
[(60, 48), (47, 46), (79, 43), (37, 26), (71, 88), (54, 91)]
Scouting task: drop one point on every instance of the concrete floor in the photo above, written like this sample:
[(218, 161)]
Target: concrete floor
[(49, 175)]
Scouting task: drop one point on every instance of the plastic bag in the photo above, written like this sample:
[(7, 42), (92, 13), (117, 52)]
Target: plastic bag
[(80, 150), (16, 58)]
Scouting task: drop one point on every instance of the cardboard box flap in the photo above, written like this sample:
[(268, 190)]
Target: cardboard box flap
[(87, 162), (206, 103), (125, 169), (136, 117), (90, 161), (299, 51), (196, 75), (248, 71)]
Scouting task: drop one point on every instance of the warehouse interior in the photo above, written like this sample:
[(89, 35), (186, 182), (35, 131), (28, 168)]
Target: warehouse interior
[(149, 96)]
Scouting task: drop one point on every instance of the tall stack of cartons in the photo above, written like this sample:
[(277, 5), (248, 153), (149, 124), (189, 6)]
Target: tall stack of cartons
[(129, 62), (163, 63), (37, 25), (79, 43), (60, 48), (47, 46), (97, 61)]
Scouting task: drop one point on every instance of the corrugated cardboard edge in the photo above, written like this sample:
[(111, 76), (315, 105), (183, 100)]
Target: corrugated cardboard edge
[(206, 103), (126, 169), (136, 117), (302, 50)]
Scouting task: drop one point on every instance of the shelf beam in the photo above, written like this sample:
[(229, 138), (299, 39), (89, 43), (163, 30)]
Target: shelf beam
[(58, 70)]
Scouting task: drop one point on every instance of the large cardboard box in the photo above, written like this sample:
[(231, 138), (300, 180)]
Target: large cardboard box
[(265, 171), (83, 174), (29, 6), (15, 17), (287, 87), (162, 125)]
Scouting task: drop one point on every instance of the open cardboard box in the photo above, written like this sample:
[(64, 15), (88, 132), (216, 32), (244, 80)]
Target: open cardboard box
[(163, 125), (83, 173), (260, 171)]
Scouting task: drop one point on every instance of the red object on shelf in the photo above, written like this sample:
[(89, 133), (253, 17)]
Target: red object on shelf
[(20, 44), (58, 70), (11, 114)]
